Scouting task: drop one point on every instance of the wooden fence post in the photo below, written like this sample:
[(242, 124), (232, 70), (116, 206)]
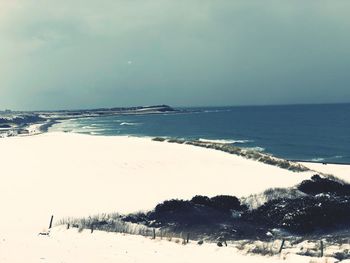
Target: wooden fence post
[(50, 226), (154, 233), (188, 238), (321, 255), (281, 247)]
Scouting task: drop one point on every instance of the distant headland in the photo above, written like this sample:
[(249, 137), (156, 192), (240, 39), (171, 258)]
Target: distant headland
[(13, 123)]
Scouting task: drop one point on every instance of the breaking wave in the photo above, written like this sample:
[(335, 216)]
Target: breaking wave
[(322, 159), (256, 149), (129, 124), (223, 141), (95, 133), (317, 159)]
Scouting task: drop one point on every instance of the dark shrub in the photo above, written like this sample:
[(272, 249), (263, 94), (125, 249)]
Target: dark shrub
[(342, 255), (159, 139), (201, 200), (174, 140), (99, 223), (136, 218), (304, 215), (226, 203), (187, 213), (173, 205), (318, 185)]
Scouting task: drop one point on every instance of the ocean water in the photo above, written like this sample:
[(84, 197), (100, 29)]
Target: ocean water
[(318, 133)]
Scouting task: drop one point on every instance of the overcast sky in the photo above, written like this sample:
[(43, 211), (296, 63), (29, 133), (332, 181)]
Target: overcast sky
[(57, 54)]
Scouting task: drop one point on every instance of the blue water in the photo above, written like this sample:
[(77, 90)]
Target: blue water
[(299, 132)]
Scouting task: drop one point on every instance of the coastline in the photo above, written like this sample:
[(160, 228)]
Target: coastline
[(36, 122), (37, 128), (30, 129), (318, 162), (40, 121)]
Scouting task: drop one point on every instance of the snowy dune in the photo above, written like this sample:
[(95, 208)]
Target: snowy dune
[(69, 246), (341, 171), (72, 174), (77, 175)]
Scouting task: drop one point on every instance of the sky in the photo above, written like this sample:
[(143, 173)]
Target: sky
[(65, 54)]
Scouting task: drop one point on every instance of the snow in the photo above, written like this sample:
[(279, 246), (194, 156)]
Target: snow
[(69, 246), (65, 174), (341, 171)]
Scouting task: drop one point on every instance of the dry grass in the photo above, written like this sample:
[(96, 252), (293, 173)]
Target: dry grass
[(246, 153)]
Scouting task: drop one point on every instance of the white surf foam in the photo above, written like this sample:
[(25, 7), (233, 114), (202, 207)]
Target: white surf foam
[(337, 157), (223, 141), (129, 124), (321, 159), (256, 149), (95, 133)]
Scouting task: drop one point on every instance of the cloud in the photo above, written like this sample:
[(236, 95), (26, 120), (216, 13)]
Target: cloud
[(194, 52)]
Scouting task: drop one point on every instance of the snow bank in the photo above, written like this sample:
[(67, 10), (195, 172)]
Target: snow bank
[(341, 171), (69, 246), (72, 174), (78, 175)]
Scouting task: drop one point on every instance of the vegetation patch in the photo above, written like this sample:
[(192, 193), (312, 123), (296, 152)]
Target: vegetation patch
[(319, 185), (246, 153), (302, 210)]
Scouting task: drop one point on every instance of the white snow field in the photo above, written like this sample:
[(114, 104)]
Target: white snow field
[(69, 246), (341, 171), (65, 174)]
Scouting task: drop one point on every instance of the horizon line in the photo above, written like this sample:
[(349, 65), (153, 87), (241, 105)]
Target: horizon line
[(184, 106), (266, 105)]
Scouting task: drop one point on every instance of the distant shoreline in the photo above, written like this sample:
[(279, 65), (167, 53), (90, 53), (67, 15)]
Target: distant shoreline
[(318, 162), (21, 123), (34, 123)]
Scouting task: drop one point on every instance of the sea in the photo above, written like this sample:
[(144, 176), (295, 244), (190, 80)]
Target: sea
[(318, 133)]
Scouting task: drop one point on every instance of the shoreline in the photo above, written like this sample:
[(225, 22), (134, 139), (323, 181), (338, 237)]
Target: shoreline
[(31, 129), (21, 123), (318, 162)]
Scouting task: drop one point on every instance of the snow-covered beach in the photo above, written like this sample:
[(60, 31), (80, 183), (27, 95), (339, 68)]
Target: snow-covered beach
[(65, 174), (70, 246), (174, 131)]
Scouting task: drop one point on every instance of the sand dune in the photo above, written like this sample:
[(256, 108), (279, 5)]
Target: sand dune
[(77, 175)]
